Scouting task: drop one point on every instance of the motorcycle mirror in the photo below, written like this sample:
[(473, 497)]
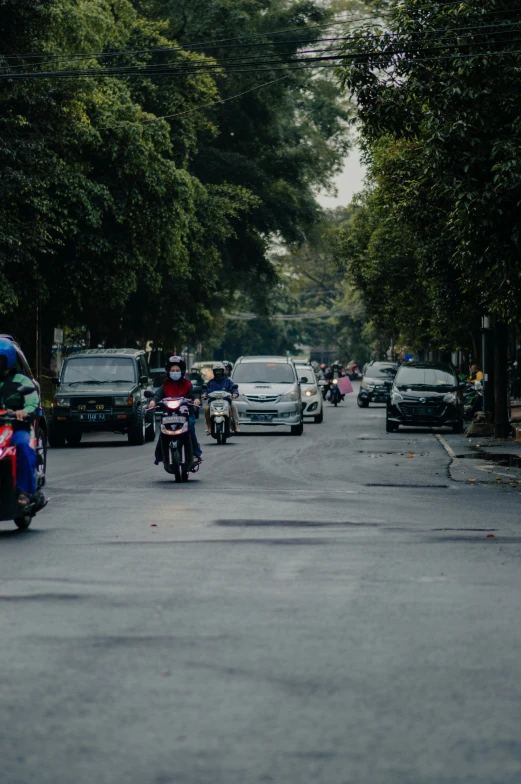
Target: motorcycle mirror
[(55, 381), (149, 393), (143, 379)]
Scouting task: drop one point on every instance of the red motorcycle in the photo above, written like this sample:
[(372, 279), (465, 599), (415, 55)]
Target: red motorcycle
[(9, 507)]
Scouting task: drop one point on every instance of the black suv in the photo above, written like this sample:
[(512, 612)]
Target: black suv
[(425, 394), (376, 383), (102, 389)]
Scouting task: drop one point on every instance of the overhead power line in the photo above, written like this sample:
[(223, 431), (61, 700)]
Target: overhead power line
[(309, 316)]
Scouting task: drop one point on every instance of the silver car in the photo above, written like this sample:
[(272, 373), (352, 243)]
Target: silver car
[(269, 393)]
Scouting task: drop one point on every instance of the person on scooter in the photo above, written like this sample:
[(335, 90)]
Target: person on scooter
[(177, 385), (221, 383), (25, 408), (475, 374)]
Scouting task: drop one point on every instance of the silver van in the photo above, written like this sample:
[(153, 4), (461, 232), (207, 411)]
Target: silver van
[(269, 393)]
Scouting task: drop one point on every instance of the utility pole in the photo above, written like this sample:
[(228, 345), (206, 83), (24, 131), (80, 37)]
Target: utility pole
[(487, 361), (501, 423)]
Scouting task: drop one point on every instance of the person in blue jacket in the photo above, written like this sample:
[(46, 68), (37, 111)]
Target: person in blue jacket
[(221, 383)]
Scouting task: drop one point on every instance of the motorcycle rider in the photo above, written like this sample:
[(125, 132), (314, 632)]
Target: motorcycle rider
[(221, 383), (25, 408), (177, 385)]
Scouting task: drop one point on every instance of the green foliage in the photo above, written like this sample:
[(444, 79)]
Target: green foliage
[(437, 236)]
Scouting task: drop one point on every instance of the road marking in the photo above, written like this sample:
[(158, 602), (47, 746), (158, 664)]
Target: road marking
[(449, 450)]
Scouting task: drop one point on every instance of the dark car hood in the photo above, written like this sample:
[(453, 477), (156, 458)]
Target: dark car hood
[(97, 390), (428, 394)]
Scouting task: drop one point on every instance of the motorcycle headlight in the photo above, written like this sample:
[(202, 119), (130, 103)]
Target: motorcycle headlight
[(396, 397), (123, 401), (290, 397), (450, 398), (62, 402), (172, 404), (311, 392), (335, 381)]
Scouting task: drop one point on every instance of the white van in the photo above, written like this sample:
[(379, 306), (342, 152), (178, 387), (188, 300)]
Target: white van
[(269, 393)]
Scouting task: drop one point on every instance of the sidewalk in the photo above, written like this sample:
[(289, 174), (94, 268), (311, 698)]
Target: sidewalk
[(483, 460)]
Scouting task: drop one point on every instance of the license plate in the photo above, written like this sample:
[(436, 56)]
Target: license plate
[(171, 419), (261, 418), (92, 417)]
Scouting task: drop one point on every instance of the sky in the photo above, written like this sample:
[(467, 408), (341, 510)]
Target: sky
[(348, 182)]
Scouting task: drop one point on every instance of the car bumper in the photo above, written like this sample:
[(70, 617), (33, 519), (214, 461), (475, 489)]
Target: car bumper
[(274, 415), (374, 395), (446, 415), (312, 405), (108, 420)]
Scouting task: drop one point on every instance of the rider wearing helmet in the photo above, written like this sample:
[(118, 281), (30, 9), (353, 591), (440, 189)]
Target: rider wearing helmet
[(220, 383), (228, 367), (25, 409), (177, 385)]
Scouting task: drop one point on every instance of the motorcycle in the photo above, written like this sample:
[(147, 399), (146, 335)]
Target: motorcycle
[(472, 399), (220, 414), (175, 437), (9, 507), (335, 396)]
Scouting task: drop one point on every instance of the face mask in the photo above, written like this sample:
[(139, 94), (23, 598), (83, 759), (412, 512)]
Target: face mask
[(175, 375)]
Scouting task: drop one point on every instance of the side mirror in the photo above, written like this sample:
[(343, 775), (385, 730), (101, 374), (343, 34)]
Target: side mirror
[(55, 381), (143, 379), (148, 393)]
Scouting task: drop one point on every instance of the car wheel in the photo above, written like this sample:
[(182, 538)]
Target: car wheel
[(137, 430), (56, 437), (362, 403), (297, 430), (458, 427), (73, 437), (150, 432), (390, 427), (319, 418)]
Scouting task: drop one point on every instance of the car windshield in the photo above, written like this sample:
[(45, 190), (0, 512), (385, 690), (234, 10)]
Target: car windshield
[(434, 378), (306, 372), (264, 373), (380, 371), (100, 370)]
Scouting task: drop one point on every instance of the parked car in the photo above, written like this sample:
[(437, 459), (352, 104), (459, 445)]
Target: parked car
[(102, 389), (376, 383), (269, 393), (40, 423), (311, 393), (425, 394)]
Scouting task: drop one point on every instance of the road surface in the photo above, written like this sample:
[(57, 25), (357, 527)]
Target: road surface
[(324, 609)]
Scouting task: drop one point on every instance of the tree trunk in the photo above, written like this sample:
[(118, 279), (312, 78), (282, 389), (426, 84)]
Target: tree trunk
[(501, 423)]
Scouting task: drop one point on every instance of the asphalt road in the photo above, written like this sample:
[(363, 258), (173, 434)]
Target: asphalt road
[(324, 609)]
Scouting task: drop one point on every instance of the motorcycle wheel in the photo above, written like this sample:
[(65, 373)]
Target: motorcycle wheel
[(24, 522), (335, 403)]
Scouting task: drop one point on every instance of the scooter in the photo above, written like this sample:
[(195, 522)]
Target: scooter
[(175, 437), (335, 396), (472, 399), (9, 507), (220, 415)]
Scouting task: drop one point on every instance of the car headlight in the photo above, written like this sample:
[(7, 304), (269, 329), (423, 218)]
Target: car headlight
[(290, 397), (123, 401), (396, 397), (62, 402), (366, 384), (450, 397), (311, 392)]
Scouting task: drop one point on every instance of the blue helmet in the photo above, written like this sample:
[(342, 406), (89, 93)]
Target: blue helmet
[(8, 351)]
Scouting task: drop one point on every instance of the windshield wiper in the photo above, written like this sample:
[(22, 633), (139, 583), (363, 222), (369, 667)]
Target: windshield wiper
[(92, 381), (117, 381)]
